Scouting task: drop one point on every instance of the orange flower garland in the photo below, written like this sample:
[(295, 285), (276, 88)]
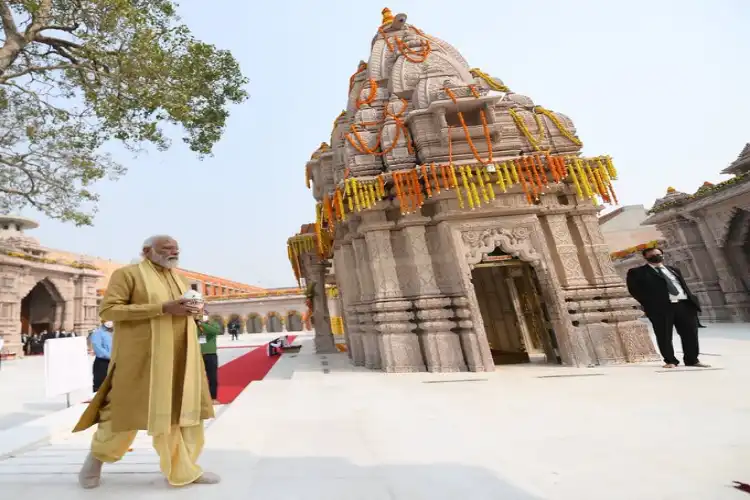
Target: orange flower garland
[(485, 127), (363, 148), (371, 96), (590, 177)]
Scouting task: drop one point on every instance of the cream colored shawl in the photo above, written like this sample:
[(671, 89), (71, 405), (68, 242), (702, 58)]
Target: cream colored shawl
[(162, 360)]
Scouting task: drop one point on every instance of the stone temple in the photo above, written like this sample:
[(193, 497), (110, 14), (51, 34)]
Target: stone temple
[(460, 220)]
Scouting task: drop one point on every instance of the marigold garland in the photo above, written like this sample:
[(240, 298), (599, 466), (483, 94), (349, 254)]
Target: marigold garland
[(371, 96), (535, 143), (556, 122), (476, 72), (487, 135), (296, 246), (474, 185), (361, 145)]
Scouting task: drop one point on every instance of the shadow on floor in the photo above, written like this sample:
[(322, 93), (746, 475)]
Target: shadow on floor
[(246, 476)]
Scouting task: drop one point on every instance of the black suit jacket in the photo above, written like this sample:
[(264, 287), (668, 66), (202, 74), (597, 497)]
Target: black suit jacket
[(649, 287)]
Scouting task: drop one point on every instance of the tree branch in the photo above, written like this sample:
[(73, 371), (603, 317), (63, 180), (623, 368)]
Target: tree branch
[(41, 18), (37, 69), (56, 42), (69, 29), (9, 24)]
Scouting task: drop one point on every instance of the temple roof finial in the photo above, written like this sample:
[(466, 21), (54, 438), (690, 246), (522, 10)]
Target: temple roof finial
[(387, 17)]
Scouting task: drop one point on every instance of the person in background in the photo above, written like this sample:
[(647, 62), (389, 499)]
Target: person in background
[(669, 304), (207, 332), (101, 343), (234, 330)]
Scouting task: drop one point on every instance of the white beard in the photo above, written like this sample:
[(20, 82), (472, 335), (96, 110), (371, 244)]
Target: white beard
[(162, 260)]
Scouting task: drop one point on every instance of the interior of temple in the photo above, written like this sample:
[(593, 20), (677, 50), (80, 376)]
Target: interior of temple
[(40, 307), (512, 310)]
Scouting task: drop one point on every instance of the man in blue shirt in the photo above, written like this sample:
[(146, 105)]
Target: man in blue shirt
[(101, 343)]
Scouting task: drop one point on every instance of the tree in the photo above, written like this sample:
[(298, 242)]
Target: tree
[(77, 73)]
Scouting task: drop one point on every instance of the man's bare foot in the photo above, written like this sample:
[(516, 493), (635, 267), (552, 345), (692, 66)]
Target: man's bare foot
[(91, 473), (216, 402), (208, 478), (700, 365), (669, 365)]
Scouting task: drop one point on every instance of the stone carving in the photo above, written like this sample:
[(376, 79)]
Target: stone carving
[(515, 243)]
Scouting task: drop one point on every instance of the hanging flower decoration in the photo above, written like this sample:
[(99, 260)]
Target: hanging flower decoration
[(705, 190), (622, 254)]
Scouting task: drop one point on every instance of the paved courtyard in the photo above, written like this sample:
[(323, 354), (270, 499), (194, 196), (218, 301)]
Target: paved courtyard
[(316, 428)]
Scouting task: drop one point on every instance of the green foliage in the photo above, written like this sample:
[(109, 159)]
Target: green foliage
[(77, 73)]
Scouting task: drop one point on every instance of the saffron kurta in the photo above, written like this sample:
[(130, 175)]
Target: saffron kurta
[(127, 386)]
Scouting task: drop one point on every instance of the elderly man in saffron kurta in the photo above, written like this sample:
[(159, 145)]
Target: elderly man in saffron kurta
[(156, 379)]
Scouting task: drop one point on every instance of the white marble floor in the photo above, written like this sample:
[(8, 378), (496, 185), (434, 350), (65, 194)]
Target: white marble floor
[(317, 429)]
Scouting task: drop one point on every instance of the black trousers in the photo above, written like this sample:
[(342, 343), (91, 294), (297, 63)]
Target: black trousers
[(683, 317), (100, 372), (212, 373)]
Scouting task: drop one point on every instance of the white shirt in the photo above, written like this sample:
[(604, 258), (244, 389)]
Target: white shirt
[(676, 282)]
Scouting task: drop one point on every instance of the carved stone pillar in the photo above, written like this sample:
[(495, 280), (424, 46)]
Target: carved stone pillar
[(475, 349), (324, 343), (440, 345), (399, 345), (346, 275), (564, 252), (362, 308), (604, 315), (10, 324), (733, 291), (595, 250)]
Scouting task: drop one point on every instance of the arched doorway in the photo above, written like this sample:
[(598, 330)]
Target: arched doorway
[(43, 309), (293, 321), (254, 323), (235, 322), (274, 323), (218, 319), (737, 246), (511, 307)]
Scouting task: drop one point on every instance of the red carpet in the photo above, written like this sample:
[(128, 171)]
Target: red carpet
[(238, 373)]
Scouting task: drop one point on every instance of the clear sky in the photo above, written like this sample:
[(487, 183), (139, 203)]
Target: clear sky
[(661, 85)]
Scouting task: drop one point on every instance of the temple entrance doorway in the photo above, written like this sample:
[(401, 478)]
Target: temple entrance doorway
[(512, 310), (42, 309)]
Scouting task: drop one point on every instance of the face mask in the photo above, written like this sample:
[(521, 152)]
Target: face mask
[(205, 317), (655, 259)]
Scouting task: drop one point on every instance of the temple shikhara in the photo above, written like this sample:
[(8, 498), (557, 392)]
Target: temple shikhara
[(458, 220)]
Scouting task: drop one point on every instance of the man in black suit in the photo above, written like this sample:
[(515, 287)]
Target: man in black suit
[(667, 302)]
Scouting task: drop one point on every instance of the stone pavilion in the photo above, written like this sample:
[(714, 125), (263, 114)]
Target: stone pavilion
[(707, 234), (461, 221), (39, 293)]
